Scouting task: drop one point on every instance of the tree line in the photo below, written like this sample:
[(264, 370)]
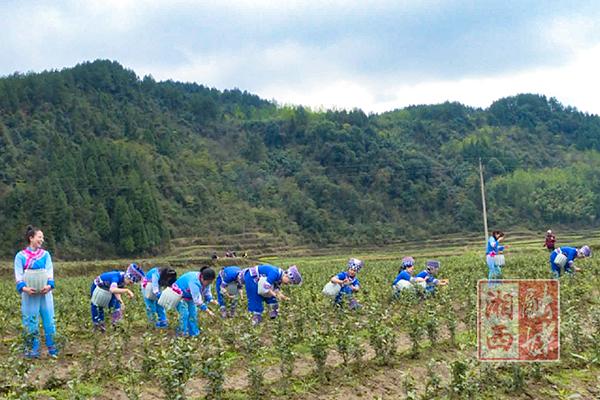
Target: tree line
[(108, 163)]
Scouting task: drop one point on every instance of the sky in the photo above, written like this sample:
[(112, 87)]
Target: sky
[(375, 55)]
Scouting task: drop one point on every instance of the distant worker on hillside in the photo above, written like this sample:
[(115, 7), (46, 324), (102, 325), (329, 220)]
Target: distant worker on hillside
[(263, 283), (550, 241), (432, 268), (493, 255), (563, 258), (349, 284)]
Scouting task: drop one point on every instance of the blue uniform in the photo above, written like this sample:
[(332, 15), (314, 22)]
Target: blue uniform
[(430, 281), (346, 290), (36, 304), (492, 249), (155, 312), (107, 281), (273, 277), (229, 277), (570, 253), (194, 295), (403, 275)]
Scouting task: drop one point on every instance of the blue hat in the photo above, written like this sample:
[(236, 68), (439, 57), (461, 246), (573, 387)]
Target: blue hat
[(134, 273)]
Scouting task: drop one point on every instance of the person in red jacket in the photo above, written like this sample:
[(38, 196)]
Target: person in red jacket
[(550, 241)]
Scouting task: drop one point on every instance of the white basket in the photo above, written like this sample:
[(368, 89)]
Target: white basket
[(560, 260), (264, 286), (232, 288), (402, 284), (169, 299), (36, 278), (331, 289), (101, 297), (148, 293), (499, 260)]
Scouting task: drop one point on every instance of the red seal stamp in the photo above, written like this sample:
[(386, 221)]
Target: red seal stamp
[(518, 320)]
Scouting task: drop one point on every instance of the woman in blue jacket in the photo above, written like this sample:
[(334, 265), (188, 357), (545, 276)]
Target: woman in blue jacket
[(492, 249), (349, 283), (229, 287), (156, 279), (432, 268), (564, 258), (34, 274), (195, 289), (405, 277), (262, 285), (110, 286)]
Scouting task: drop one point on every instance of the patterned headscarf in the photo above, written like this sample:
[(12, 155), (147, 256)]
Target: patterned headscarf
[(294, 275), (134, 273), (432, 265), (585, 251), (355, 264), (408, 262)]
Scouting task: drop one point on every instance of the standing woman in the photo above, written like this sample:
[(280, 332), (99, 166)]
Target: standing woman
[(34, 274), (195, 289), (492, 250)]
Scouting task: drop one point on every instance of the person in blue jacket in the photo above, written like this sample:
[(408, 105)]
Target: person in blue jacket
[(263, 284), (349, 283), (493, 248), (152, 283), (568, 256), (432, 268), (196, 293), (405, 277), (114, 282), (33, 260), (229, 286)]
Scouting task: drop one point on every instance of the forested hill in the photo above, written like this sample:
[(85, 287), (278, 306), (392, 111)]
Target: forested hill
[(111, 164)]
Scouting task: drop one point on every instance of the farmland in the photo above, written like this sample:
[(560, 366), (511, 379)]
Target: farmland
[(412, 347)]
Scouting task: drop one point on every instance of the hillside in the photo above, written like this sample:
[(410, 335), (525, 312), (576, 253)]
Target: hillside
[(108, 164)]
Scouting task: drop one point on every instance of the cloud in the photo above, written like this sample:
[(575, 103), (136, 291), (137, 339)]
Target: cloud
[(375, 55)]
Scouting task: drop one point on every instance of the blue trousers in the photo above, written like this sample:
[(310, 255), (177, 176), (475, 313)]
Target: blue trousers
[(494, 271), (98, 312), (255, 301), (33, 306), (188, 318), (156, 313)]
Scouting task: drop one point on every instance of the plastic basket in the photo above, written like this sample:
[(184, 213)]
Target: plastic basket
[(499, 260), (36, 278), (101, 297), (560, 260), (169, 299), (331, 289), (148, 293)]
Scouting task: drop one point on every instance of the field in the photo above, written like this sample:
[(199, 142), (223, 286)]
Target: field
[(413, 348)]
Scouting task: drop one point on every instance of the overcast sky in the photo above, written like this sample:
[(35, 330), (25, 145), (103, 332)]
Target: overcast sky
[(375, 55)]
